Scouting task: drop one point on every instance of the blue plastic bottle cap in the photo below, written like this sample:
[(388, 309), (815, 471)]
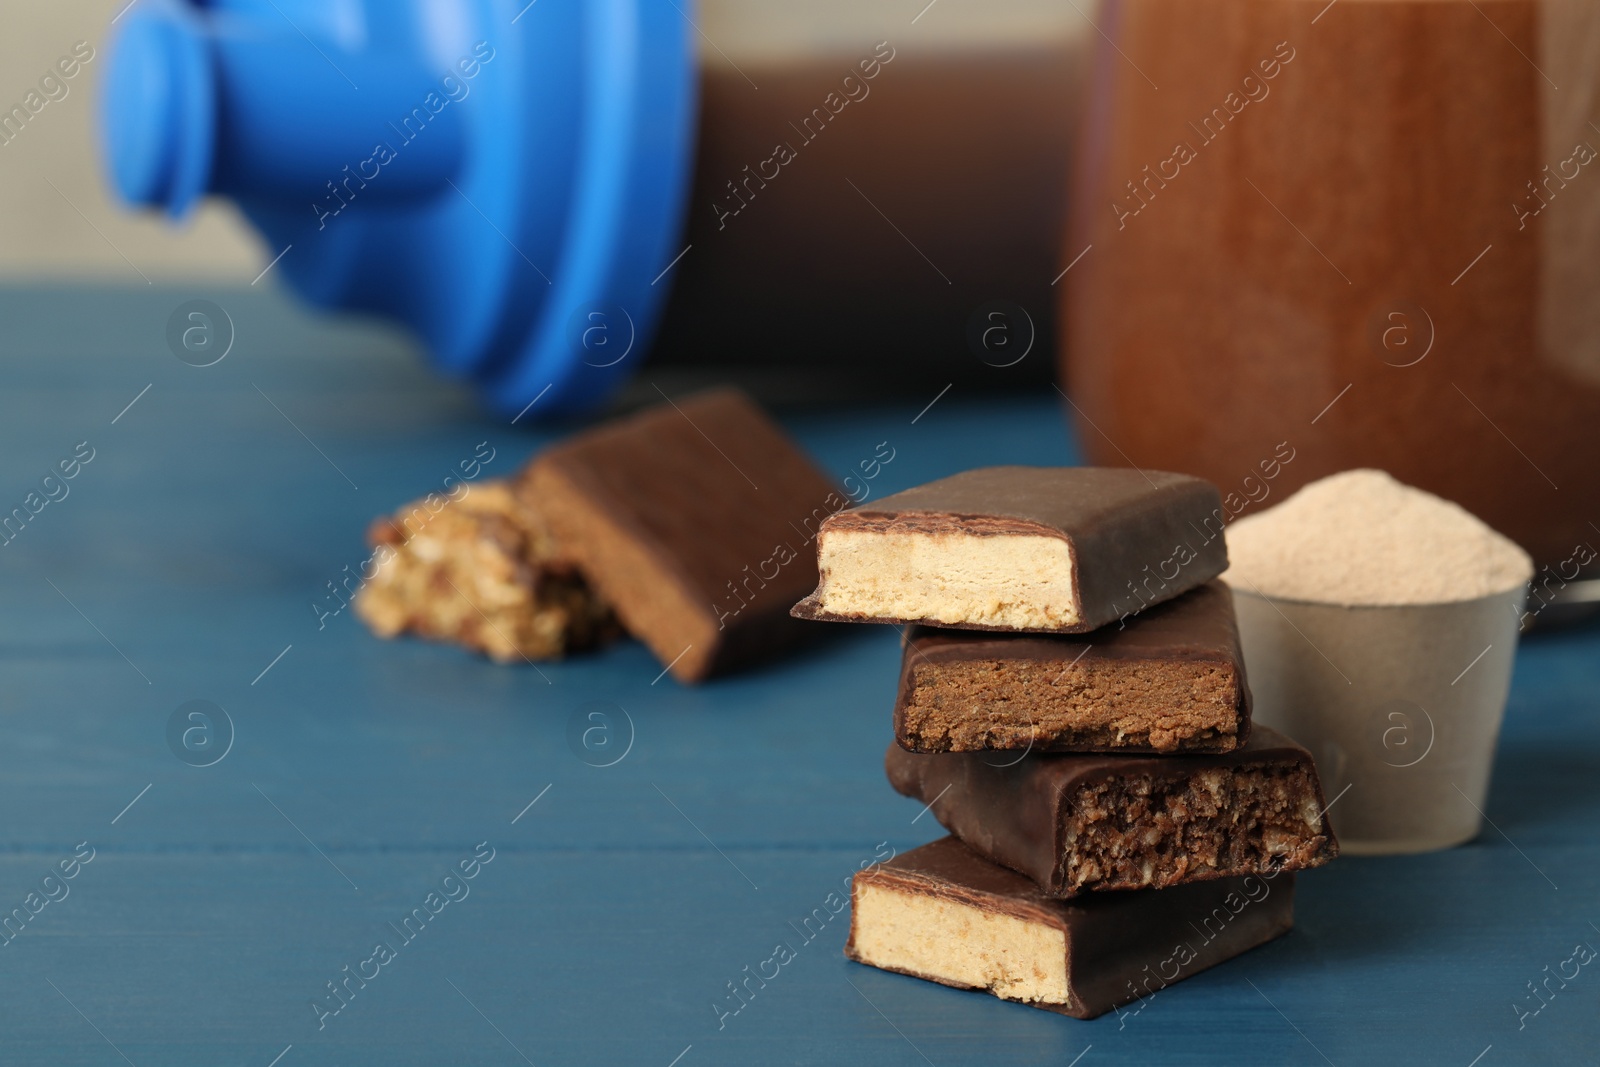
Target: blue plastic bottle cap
[(159, 110), (508, 180)]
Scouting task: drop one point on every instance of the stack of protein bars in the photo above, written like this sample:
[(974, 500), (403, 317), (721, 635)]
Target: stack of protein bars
[(1073, 708)]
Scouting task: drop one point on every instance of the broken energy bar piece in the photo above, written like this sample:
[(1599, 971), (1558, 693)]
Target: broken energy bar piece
[(1056, 549), (1075, 823), (1171, 680), (694, 520), (944, 913), (480, 570)]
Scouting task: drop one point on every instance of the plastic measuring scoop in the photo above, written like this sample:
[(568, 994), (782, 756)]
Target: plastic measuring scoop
[(506, 177)]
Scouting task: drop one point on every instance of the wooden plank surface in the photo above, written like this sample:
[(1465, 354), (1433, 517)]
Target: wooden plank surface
[(618, 907)]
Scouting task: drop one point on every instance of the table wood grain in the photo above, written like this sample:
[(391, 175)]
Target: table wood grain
[(220, 901)]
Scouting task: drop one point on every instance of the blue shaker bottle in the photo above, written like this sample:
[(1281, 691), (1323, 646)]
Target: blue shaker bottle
[(506, 177)]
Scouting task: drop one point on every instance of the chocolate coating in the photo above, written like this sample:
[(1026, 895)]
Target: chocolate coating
[(692, 520), (1120, 946), (1138, 537)]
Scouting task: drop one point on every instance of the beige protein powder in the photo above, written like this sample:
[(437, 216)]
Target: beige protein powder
[(1362, 538)]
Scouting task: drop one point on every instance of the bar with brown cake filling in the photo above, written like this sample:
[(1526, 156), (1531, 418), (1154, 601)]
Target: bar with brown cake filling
[(1171, 681)]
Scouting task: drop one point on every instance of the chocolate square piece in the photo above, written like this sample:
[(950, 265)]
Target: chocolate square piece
[(480, 570), (944, 913), (693, 520), (1056, 549), (1087, 822), (1172, 680)]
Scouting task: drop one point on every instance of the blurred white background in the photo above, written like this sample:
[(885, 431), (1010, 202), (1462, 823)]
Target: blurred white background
[(59, 221), (74, 230)]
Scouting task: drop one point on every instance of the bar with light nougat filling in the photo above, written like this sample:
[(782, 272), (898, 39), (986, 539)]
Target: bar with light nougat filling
[(1049, 549), (943, 913)]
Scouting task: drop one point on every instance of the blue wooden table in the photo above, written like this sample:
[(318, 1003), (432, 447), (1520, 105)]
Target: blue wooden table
[(621, 901)]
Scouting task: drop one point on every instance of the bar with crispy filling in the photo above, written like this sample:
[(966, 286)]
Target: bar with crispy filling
[(1077, 823)]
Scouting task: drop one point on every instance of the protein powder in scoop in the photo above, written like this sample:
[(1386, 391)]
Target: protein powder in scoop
[(1379, 625), (1362, 538)]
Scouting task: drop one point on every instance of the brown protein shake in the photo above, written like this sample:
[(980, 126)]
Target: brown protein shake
[(1359, 234)]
